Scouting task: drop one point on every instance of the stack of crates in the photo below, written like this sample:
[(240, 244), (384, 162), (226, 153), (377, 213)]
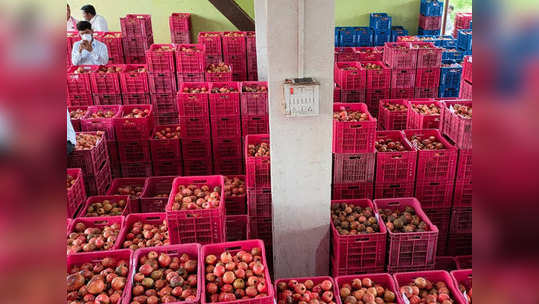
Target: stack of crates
[(236, 208), (397, 31), (76, 193), (113, 41), (392, 114), (401, 57), (378, 76), (235, 54), (353, 152), (225, 115), (212, 42), (134, 84), (429, 60), (105, 84), (466, 82), (380, 23), (162, 80), (79, 90), (464, 41), (351, 78), (258, 181), (430, 17), (450, 76), (190, 63), (166, 153), (252, 68), (353, 36), (194, 115), (180, 28), (254, 108), (137, 36), (462, 21), (435, 179)]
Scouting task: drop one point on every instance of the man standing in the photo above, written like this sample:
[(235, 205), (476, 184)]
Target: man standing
[(88, 51), (99, 24), (71, 22)]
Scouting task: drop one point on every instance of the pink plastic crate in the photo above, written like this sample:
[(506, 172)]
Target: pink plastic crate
[(162, 82), (164, 103), (426, 92), (166, 119), (165, 149), (136, 25), (236, 228), (97, 222), (133, 128), (175, 251), (239, 67), (402, 93), (403, 279), (154, 186), (202, 226), (461, 220), (352, 191), (167, 167), (417, 120), (395, 167), (359, 252), (430, 23), (377, 79), (373, 97), (135, 98), (257, 168), (212, 42), (130, 207), (79, 83), (410, 249), (427, 78), (251, 43), (197, 167), (113, 41), (100, 182), (234, 44), (229, 147), (224, 104), (76, 122), (456, 127), (434, 193), (233, 248), (228, 166), (236, 205), (190, 58), (459, 244), (343, 54), (465, 90), (120, 182), (85, 99), (180, 22), (138, 169), (467, 69), (428, 55), (383, 279), (400, 55), (134, 79), (261, 228), (464, 165), (370, 53), (226, 127), (134, 151), (441, 218), (350, 75), (193, 104), (463, 194), (315, 280), (155, 219), (106, 83), (259, 202), (76, 194), (393, 189), (101, 124), (464, 262), (351, 168), (403, 79), (254, 103), (336, 94), (196, 148), (194, 127), (219, 76), (353, 137), (447, 263), (189, 77), (107, 99), (434, 165), (90, 161), (463, 277), (353, 96), (254, 124), (462, 21), (392, 120), (135, 48)]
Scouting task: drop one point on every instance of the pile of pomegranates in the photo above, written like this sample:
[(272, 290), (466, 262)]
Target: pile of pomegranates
[(372, 66), (403, 221), (77, 114), (108, 69), (142, 235), (349, 116), (430, 109), (81, 70), (421, 290), (393, 107), (389, 145), (365, 291), (190, 49), (193, 197), (224, 89), (352, 219), (234, 186), (426, 143), (70, 181), (134, 191), (463, 111), (220, 67), (295, 292), (259, 150), (106, 208), (466, 292), (87, 141), (137, 113), (167, 133), (255, 88), (195, 90), (100, 113), (84, 239)]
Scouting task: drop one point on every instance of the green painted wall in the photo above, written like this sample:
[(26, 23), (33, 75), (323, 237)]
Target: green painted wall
[(206, 18)]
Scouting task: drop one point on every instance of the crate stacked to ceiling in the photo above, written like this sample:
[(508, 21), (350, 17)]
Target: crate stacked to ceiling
[(466, 80), (380, 23), (430, 17), (137, 35), (429, 61), (113, 41), (180, 28), (462, 21), (161, 63)]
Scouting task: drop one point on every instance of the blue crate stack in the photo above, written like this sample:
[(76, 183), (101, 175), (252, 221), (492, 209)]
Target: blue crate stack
[(397, 31), (364, 36), (452, 55), (380, 23), (353, 36), (464, 41), (450, 76), (431, 8), (421, 31)]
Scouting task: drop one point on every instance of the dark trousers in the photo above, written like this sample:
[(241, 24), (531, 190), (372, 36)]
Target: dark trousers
[(70, 147)]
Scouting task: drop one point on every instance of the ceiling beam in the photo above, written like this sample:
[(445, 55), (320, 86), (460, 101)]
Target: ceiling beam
[(235, 14)]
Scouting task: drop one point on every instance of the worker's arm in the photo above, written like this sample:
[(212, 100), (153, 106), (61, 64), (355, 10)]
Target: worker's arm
[(100, 54), (77, 55)]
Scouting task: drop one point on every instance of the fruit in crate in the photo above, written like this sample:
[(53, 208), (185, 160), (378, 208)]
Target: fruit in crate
[(426, 142), (389, 145), (87, 141), (233, 34), (372, 66), (234, 186), (450, 50), (218, 68), (349, 68), (295, 292), (77, 114), (112, 35), (231, 277), (193, 197), (167, 133), (366, 290), (422, 46), (370, 51), (102, 114), (430, 109), (163, 48), (84, 239), (421, 290), (209, 35), (259, 150), (190, 49), (393, 107), (255, 88), (466, 292), (351, 219), (136, 113), (101, 282), (81, 70), (344, 115), (70, 181), (224, 89), (398, 221), (134, 191), (195, 90), (108, 69), (161, 278), (137, 70), (142, 235), (106, 208), (462, 110)]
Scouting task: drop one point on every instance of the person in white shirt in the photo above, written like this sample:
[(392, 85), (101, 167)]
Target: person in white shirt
[(71, 136), (99, 24), (88, 51), (71, 22)]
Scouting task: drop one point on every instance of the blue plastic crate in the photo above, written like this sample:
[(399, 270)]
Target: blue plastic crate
[(421, 31), (337, 40), (450, 76), (464, 40), (431, 8), (346, 36), (444, 92), (448, 41), (380, 22), (452, 56), (431, 38), (470, 24), (364, 36), (380, 38), (397, 31)]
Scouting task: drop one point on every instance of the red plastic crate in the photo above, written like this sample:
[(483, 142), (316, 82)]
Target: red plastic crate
[(417, 120), (343, 54), (234, 45), (353, 96), (167, 167), (156, 219), (236, 228), (101, 124), (113, 41), (261, 228), (315, 280), (100, 182), (362, 251), (233, 248), (239, 67), (457, 128), (96, 222), (259, 202), (403, 279), (461, 220), (463, 277), (447, 263), (257, 168), (194, 127), (189, 77), (336, 94), (403, 79), (463, 194), (167, 119), (426, 92), (373, 97), (459, 244), (138, 25), (393, 189), (120, 182), (430, 23), (395, 167), (467, 69), (254, 124), (226, 127), (162, 82), (353, 137), (78, 83), (228, 166), (134, 151), (435, 165), (427, 78), (190, 58), (135, 98), (428, 55), (89, 161), (434, 193), (465, 90), (80, 99), (138, 169), (219, 77), (164, 103), (392, 120), (193, 104), (76, 194), (462, 21), (370, 53), (378, 79), (165, 149), (352, 191), (383, 279), (106, 83), (196, 148), (135, 48), (134, 79), (76, 122), (202, 226), (351, 168), (197, 167), (400, 55), (107, 99), (350, 79), (212, 42), (180, 37), (174, 251), (229, 147), (133, 128), (130, 207), (236, 205), (225, 104), (402, 93), (155, 185), (464, 262), (410, 249), (441, 217), (464, 165), (180, 22)]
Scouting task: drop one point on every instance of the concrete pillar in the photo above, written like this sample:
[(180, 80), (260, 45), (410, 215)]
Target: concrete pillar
[(300, 147)]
